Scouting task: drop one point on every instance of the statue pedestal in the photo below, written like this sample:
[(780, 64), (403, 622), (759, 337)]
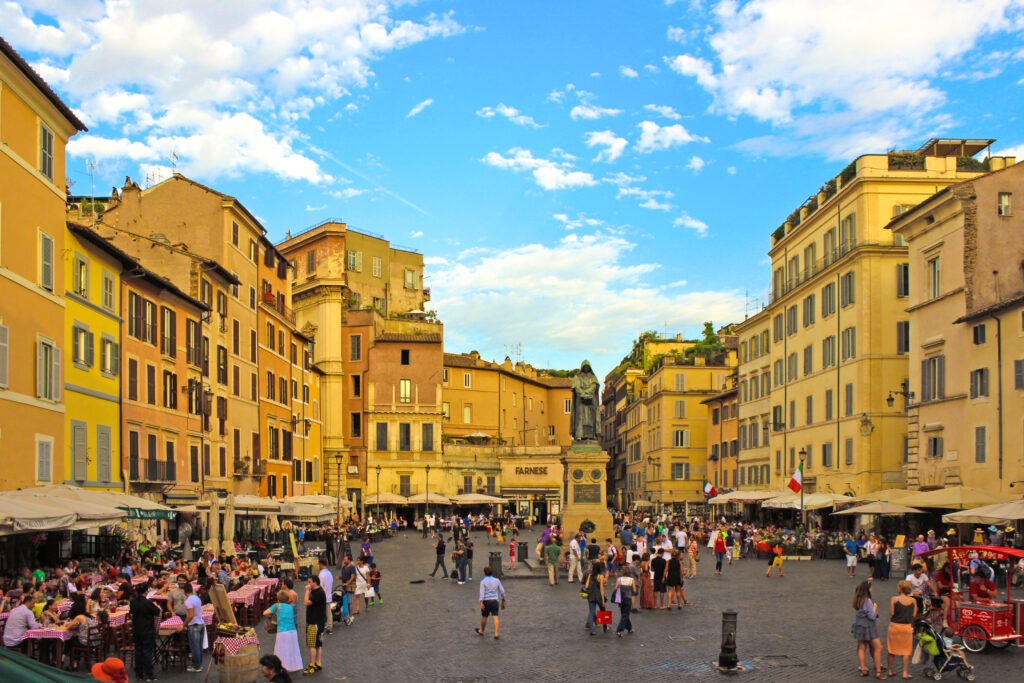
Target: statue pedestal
[(586, 496)]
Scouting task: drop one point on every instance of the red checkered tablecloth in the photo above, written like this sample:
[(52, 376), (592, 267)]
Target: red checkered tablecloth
[(233, 645), (49, 634), (118, 618), (173, 622), (243, 596)]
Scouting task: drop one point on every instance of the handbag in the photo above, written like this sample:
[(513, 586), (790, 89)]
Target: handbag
[(604, 617), (270, 623), (370, 593), (617, 598)]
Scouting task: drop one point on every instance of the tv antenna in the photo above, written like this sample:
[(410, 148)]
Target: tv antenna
[(91, 167), (514, 351)]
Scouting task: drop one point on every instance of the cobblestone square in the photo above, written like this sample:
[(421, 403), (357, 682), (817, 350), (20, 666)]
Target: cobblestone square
[(795, 628)]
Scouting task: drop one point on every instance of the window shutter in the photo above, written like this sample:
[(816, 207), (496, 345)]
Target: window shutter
[(79, 452), (1018, 374), (4, 348), (984, 382), (926, 382), (46, 247), (56, 377), (40, 370), (89, 340), (44, 461), (102, 453), (941, 388), (115, 359)]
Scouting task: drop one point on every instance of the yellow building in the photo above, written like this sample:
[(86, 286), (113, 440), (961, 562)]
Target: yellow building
[(208, 245), (664, 430), (723, 440), (350, 291), (510, 404), (965, 312), (838, 316), (92, 367), (35, 126), (755, 388)]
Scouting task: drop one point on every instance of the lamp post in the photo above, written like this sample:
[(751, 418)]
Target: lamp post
[(803, 513), (378, 492), (428, 490), (337, 486), (904, 391)]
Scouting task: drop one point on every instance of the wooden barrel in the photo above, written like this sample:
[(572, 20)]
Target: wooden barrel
[(241, 668)]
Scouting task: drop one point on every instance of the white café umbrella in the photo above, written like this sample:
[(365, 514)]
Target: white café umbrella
[(213, 527), (228, 544), (385, 498), (475, 499), (1000, 513), (881, 508), (434, 498)]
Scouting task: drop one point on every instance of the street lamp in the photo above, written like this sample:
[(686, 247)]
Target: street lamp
[(378, 493), (904, 391), (428, 490)]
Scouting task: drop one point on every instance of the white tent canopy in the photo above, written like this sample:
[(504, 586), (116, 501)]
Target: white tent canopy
[(321, 500), (811, 501)]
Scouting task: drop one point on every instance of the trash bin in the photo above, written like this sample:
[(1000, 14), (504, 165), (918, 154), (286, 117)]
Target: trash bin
[(496, 564), (522, 551)]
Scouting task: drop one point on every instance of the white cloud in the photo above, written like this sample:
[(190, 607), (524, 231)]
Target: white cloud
[(686, 221), (696, 164), (580, 221), (676, 34), (510, 113), (416, 234), (583, 292), (548, 174), (650, 68), (663, 110), (628, 72), (654, 138), (1015, 151), (784, 61), (419, 108), (731, 170), (613, 145), (311, 208), (592, 112), (189, 75), (346, 193), (100, 149)]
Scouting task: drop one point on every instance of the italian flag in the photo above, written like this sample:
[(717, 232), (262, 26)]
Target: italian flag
[(797, 482), (709, 490)]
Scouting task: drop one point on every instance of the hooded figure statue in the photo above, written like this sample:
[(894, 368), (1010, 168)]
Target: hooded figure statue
[(585, 401)]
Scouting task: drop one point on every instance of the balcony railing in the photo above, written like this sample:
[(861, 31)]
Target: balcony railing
[(276, 303), (151, 470)]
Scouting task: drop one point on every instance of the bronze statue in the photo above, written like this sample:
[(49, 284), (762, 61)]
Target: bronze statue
[(585, 401)]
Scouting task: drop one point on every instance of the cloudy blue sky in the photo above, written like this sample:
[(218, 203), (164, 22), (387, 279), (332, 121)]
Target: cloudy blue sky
[(574, 172)]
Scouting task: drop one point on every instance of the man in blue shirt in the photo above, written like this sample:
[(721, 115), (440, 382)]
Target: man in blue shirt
[(850, 546), (492, 599)]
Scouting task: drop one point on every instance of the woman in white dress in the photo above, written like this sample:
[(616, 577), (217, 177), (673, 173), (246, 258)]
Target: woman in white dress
[(286, 644), (362, 584)]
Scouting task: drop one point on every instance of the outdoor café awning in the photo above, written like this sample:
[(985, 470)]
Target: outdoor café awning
[(881, 508), (134, 507), (1000, 513), (21, 515), (321, 500), (743, 497), (956, 498), (435, 498), (476, 499), (811, 501), (385, 498), (306, 513)]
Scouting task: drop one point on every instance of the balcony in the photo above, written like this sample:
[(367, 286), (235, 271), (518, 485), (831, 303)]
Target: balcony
[(151, 470), (276, 303), (244, 468)]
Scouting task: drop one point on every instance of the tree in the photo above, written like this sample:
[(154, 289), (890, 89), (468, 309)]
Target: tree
[(710, 347)]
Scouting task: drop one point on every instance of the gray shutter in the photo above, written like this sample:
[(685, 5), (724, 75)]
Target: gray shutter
[(1018, 374), (115, 355), (103, 453), (57, 377), (44, 461), (926, 382), (941, 389), (40, 371), (89, 341), (79, 452), (46, 247), (4, 348)]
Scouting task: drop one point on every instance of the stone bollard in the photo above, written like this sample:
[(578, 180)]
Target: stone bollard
[(727, 658)]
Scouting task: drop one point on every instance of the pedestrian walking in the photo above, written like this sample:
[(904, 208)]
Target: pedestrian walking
[(900, 638), (492, 600), (646, 583), (439, 548), (719, 551), (575, 559), (694, 556), (865, 630), (459, 557), (775, 560), (595, 596), (624, 586), (512, 554), (286, 642)]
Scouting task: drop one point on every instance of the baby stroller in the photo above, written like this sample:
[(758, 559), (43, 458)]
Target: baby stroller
[(944, 654)]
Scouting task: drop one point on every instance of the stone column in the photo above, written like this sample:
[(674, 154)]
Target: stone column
[(586, 491)]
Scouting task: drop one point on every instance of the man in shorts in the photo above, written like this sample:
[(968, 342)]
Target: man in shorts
[(850, 547), (316, 623), (492, 599)]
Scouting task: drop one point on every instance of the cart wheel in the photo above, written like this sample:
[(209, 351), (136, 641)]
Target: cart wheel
[(969, 676), (974, 637), (937, 676)]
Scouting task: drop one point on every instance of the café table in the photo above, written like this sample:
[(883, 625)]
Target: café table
[(59, 635)]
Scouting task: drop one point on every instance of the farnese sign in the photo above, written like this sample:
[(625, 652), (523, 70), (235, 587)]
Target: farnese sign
[(542, 471)]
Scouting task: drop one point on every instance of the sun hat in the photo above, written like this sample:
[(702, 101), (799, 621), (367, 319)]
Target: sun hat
[(110, 670), (993, 528), (951, 532)]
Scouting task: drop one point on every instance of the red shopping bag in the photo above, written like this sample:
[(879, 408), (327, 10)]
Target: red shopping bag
[(604, 617)]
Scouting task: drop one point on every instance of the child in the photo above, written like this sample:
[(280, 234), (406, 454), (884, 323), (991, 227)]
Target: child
[(375, 583), (775, 560)]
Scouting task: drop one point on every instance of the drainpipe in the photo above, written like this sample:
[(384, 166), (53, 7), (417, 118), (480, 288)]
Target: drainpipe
[(999, 388)]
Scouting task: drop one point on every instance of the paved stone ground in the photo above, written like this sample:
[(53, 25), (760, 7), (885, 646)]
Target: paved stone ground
[(791, 629)]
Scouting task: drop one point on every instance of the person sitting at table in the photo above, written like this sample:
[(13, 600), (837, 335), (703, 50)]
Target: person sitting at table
[(176, 597), (5, 602), (22, 619), (49, 616), (983, 589), (40, 603)]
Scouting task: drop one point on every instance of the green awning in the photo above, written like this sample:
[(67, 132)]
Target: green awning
[(141, 513), (17, 668)]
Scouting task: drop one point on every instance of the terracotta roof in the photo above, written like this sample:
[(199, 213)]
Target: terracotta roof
[(458, 360), (556, 382), (38, 81), (432, 337)]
